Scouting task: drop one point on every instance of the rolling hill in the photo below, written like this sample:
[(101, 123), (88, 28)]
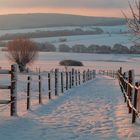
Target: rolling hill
[(39, 20)]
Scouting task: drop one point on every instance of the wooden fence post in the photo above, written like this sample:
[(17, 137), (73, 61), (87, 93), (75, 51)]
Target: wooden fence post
[(88, 75), (76, 78), (62, 83), (40, 89), (66, 80), (49, 86), (79, 75), (123, 87), (126, 78), (83, 76), (13, 90), (28, 92), (56, 82), (135, 103), (129, 89), (72, 77), (125, 75)]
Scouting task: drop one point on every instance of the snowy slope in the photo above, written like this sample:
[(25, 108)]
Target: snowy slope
[(110, 36), (103, 39), (91, 112), (85, 28)]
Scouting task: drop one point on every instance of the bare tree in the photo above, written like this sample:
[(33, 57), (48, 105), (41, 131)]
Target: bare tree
[(22, 51), (134, 20)]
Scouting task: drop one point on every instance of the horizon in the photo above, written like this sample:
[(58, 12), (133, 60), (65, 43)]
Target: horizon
[(98, 14), (60, 14), (98, 8)]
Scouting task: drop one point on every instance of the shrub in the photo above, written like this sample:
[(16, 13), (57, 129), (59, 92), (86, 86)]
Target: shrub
[(71, 63), (22, 52)]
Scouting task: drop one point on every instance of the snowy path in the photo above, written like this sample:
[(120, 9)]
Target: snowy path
[(90, 112)]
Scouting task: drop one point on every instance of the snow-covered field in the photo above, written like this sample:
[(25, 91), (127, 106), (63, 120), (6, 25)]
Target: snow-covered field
[(85, 28), (110, 36), (49, 60), (85, 113), (103, 39)]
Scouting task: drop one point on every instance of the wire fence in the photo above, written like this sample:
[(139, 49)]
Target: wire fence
[(33, 88), (131, 92), (129, 88)]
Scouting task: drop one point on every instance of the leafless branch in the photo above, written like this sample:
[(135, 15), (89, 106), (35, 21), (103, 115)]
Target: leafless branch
[(22, 51)]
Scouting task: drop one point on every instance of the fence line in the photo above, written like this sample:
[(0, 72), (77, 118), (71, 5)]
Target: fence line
[(129, 88), (110, 73), (56, 82), (131, 92)]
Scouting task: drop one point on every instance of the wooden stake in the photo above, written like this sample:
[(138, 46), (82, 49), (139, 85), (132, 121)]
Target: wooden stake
[(13, 90), (79, 75), (129, 89), (66, 80), (28, 93), (72, 77), (56, 82), (40, 89), (49, 85), (70, 80), (62, 85), (135, 103)]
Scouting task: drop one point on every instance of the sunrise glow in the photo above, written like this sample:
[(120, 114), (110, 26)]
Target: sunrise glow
[(75, 11)]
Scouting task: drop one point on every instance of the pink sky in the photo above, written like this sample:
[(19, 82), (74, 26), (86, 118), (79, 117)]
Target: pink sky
[(107, 8), (75, 11)]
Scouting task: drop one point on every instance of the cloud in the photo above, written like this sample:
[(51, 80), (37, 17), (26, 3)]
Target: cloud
[(65, 3)]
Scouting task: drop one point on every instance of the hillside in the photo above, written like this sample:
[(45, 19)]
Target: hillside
[(20, 21)]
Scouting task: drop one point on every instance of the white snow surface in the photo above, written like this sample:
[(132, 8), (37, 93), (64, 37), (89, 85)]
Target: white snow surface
[(110, 36), (50, 60), (110, 29), (102, 39), (94, 111)]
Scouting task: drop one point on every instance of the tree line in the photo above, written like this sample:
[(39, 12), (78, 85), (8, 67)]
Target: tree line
[(40, 34), (25, 51), (80, 48)]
